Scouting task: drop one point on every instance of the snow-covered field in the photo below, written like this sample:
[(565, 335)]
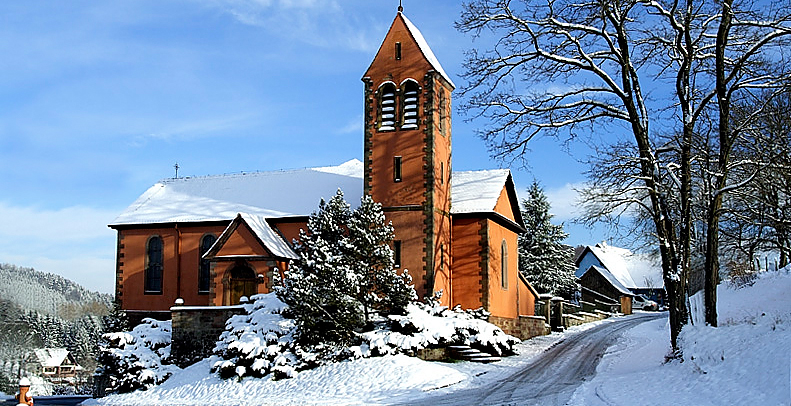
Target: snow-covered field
[(745, 361)]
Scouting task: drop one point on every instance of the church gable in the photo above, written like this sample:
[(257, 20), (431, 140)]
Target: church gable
[(250, 236)]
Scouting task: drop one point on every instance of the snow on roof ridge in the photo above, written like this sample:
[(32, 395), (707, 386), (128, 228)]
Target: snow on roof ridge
[(423, 45), (326, 169)]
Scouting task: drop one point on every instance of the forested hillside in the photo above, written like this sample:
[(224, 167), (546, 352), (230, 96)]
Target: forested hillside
[(39, 309)]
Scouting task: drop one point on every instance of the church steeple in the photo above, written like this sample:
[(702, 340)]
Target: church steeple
[(408, 148)]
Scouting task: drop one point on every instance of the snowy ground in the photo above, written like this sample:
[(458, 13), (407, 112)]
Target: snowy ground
[(745, 361)]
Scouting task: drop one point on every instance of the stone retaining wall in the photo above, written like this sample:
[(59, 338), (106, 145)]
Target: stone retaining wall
[(522, 328), (196, 330)]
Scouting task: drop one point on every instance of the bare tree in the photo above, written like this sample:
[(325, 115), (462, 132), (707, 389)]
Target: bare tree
[(569, 69), (589, 50)]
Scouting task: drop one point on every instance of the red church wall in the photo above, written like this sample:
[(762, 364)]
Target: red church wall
[(132, 263)]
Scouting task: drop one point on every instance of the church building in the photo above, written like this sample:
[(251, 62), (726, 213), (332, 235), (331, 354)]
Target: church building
[(207, 241)]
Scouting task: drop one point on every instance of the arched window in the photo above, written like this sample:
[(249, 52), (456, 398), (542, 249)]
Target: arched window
[(504, 264), (387, 107), (204, 271), (153, 272), (410, 104)]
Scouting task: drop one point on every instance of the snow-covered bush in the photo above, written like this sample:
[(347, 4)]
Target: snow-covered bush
[(262, 341), (137, 359), (257, 343), (431, 325)]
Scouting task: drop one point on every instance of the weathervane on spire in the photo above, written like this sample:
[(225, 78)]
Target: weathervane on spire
[(400, 7)]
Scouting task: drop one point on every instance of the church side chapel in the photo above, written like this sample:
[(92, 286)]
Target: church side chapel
[(208, 241)]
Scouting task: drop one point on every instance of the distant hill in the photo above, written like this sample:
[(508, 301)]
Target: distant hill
[(47, 293), (40, 309)]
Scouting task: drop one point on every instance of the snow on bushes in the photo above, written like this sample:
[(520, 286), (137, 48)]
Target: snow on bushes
[(138, 359), (257, 343), (262, 342), (432, 325)]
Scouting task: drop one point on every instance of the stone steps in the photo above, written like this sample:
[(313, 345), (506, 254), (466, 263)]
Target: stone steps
[(467, 353)]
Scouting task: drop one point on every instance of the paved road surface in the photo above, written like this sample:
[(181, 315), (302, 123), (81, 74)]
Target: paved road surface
[(552, 377)]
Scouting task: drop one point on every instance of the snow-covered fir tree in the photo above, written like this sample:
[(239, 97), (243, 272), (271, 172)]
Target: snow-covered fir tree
[(543, 259), (345, 270)]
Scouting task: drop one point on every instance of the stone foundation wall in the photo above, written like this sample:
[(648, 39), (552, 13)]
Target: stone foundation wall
[(523, 328), (196, 330), (571, 320)]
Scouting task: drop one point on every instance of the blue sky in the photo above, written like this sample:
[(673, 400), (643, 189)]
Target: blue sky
[(98, 100)]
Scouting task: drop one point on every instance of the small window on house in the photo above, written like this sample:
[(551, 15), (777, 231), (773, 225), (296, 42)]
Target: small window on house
[(397, 253), (49, 370), (398, 51), (154, 261), (504, 264), (397, 169), (387, 107), (204, 271), (410, 104)]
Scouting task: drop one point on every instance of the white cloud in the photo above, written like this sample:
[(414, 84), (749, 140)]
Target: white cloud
[(74, 242), (354, 126), (315, 22), (564, 201)]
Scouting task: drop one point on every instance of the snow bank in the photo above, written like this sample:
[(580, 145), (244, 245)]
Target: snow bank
[(744, 361)]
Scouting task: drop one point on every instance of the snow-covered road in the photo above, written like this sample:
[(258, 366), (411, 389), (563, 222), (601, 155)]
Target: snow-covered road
[(552, 377)]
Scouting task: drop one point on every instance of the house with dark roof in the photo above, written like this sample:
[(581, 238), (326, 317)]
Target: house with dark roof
[(208, 241)]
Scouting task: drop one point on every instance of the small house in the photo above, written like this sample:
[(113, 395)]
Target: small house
[(54, 364), (601, 286)]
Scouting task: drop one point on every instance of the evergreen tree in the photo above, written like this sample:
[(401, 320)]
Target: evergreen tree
[(320, 288), (344, 273), (545, 262)]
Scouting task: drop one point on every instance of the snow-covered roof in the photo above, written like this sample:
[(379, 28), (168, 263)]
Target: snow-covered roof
[(613, 259), (265, 194), (610, 278), (634, 271), (477, 191), (269, 237), (427, 52), (51, 357), (288, 193)]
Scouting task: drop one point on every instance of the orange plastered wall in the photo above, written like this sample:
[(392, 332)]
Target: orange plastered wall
[(242, 242), (527, 302), (132, 262), (503, 205), (466, 266), (502, 301)]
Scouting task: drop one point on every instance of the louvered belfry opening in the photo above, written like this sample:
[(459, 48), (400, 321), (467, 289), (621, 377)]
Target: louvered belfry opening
[(411, 92), (387, 107)]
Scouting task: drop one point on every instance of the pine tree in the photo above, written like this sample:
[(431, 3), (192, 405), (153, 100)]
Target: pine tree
[(345, 271), (545, 262)]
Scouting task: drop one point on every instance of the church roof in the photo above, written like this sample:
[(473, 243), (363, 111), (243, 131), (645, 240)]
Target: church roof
[(290, 193), (479, 192), (427, 52), (287, 193)]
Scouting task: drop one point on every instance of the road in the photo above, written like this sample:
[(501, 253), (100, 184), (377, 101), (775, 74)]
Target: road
[(552, 377)]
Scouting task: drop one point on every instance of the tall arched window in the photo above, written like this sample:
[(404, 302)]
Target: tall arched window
[(504, 264), (410, 103), (154, 264), (204, 271), (442, 111), (387, 107)]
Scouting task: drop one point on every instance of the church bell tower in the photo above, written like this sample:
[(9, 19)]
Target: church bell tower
[(407, 152)]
